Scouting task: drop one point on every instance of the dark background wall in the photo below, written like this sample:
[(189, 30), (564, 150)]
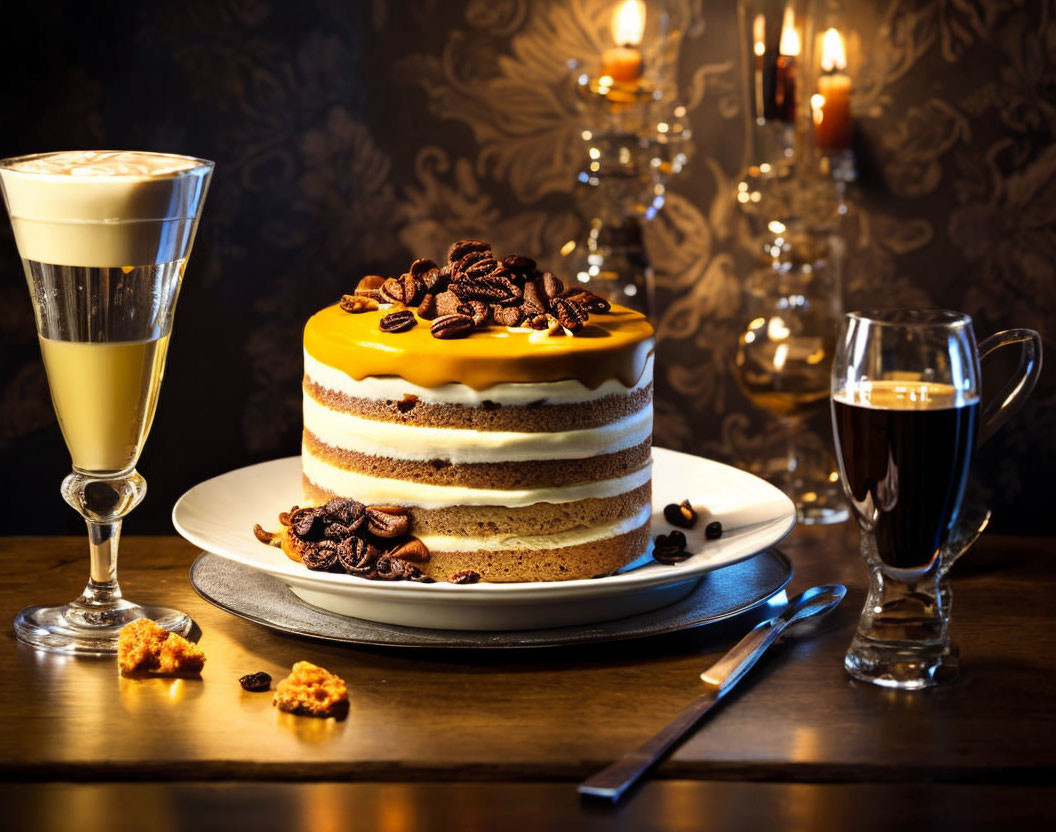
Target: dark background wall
[(348, 136)]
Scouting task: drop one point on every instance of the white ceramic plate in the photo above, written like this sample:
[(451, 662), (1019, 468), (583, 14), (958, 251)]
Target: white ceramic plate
[(218, 516)]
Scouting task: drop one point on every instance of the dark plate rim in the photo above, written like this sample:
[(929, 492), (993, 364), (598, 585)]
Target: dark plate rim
[(570, 641)]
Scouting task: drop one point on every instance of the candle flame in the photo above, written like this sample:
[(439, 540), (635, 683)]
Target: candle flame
[(817, 107), (789, 45), (759, 34), (628, 23), (833, 56)]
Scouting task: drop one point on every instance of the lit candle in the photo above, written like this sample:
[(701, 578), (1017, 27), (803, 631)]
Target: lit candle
[(623, 62), (788, 50), (833, 123), (759, 48)]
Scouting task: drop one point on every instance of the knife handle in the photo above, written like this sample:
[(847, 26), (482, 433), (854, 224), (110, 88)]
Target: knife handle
[(614, 780)]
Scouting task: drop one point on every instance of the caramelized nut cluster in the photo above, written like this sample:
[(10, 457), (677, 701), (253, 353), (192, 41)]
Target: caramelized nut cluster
[(371, 542), (475, 290)]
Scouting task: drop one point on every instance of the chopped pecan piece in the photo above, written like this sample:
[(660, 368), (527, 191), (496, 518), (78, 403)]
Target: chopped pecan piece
[(357, 303), (466, 576), (271, 538)]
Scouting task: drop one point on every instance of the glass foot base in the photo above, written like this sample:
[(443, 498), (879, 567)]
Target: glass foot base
[(902, 666), (76, 629)]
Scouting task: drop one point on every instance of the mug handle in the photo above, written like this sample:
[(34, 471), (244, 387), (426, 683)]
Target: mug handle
[(1009, 401), (999, 410)]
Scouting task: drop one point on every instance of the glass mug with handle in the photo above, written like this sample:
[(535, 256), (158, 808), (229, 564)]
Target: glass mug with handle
[(104, 238), (906, 419)]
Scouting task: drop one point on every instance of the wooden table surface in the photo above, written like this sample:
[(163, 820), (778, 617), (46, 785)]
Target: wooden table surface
[(461, 740)]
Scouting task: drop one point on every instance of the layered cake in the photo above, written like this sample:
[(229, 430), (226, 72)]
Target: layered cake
[(521, 452)]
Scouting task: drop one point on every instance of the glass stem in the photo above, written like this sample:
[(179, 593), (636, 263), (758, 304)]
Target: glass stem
[(102, 500), (103, 539)]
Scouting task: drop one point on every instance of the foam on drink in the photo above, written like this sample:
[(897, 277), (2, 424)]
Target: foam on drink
[(99, 208)]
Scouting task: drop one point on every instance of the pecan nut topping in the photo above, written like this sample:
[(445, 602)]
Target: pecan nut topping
[(447, 303), (680, 514), (532, 304), (302, 521), (477, 311), (460, 249), (395, 569), (507, 315), (370, 286), (265, 536), (356, 553), (466, 576), (519, 264), (388, 521), (551, 285), (451, 326), (413, 550), (320, 556), (670, 548), (569, 314), (357, 303), (590, 301), (427, 308), (398, 321), (422, 266), (392, 290)]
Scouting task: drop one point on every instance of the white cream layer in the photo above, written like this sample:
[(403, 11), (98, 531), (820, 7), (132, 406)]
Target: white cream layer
[(391, 388), (572, 537), (462, 446), (377, 491)]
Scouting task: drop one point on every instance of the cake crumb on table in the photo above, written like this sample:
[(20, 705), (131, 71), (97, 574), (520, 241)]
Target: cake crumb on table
[(144, 647), (311, 690)]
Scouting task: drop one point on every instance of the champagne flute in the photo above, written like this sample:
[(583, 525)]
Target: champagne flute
[(104, 238)]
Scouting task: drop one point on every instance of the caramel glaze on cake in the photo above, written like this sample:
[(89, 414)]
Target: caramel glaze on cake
[(520, 456)]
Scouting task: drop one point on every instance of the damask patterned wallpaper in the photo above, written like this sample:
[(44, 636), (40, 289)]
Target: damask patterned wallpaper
[(348, 136)]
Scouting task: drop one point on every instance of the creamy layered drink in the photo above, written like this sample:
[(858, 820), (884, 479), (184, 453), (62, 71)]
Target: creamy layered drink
[(104, 238)]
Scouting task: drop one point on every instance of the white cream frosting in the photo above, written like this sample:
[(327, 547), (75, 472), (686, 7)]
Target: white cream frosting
[(572, 537), (465, 445), (378, 491), (388, 388)]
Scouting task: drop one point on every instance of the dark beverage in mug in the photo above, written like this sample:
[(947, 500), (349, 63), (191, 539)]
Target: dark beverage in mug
[(904, 449)]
